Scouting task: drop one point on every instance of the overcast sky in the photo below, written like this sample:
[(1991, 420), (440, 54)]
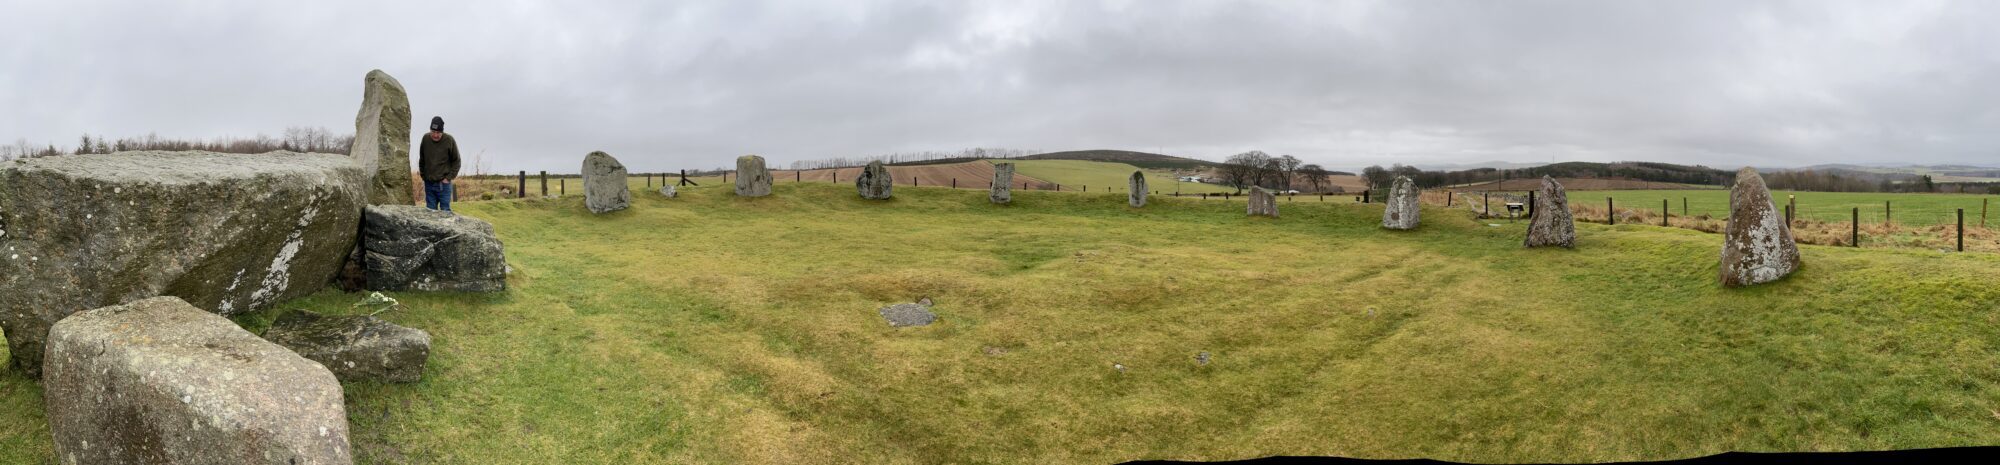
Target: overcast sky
[(666, 85)]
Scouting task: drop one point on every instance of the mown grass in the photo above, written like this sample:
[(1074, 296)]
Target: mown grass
[(1916, 209), (717, 329), (1106, 176)]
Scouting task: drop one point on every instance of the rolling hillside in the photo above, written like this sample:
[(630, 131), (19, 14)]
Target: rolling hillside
[(1139, 159), (1099, 175)]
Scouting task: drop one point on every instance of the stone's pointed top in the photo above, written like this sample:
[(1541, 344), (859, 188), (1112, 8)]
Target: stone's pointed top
[(379, 75), (748, 158)]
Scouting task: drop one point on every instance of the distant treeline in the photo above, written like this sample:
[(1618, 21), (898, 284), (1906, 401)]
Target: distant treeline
[(908, 158), (1256, 168), (1644, 171), (295, 139)]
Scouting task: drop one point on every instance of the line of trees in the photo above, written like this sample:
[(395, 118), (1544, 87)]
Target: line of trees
[(1256, 168), (295, 139), (910, 157)]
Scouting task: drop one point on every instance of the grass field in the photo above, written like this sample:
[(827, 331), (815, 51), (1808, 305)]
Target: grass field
[(1077, 174), (1909, 209), (717, 329)]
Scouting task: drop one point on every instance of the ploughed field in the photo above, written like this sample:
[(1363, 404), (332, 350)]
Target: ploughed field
[(717, 329)]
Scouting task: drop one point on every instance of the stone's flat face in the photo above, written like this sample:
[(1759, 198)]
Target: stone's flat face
[(900, 315), (874, 182), (1263, 202), (604, 188), (411, 248), (355, 348), (1003, 183), (1136, 196), (1401, 210), (159, 381), (1552, 225), (752, 180), (1757, 245), (382, 140), (228, 233), (668, 191)]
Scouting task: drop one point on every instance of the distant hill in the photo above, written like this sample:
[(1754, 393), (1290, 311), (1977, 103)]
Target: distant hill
[(1905, 173), (1505, 165), (1139, 159), (1632, 171)]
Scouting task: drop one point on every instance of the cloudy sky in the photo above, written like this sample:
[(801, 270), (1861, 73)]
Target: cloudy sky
[(665, 85)]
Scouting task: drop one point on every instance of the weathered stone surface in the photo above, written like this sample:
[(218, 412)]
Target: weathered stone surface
[(1136, 197), (1757, 245), (1263, 202), (668, 191), (159, 381), (407, 247), (874, 182), (228, 233), (382, 140), (752, 180), (1003, 183), (900, 315), (1552, 224), (1401, 211), (355, 348), (604, 184)]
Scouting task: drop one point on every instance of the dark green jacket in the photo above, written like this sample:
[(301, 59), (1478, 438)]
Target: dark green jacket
[(437, 159)]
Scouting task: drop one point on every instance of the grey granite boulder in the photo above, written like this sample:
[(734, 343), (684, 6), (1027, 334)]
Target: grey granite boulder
[(1003, 183), (382, 140), (1263, 202), (160, 381), (1401, 211), (901, 315), (874, 182), (1757, 245), (752, 180), (1552, 225), (1137, 196), (355, 348), (410, 248), (228, 233), (668, 191), (604, 184)]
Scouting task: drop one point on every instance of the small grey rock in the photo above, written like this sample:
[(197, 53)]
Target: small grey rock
[(355, 348), (900, 315), (1201, 358), (668, 191)]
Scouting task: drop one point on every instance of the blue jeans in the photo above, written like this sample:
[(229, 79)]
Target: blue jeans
[(437, 196)]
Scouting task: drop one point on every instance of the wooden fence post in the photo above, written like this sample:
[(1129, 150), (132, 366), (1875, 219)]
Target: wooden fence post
[(562, 186), (954, 183), (1854, 237), (1531, 204), (523, 189), (1961, 230), (1792, 210), (1684, 206), (1885, 212), (1486, 199), (1665, 212), (545, 183), (1610, 212), (1982, 212)]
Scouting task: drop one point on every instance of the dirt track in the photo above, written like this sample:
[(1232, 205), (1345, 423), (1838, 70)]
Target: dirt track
[(970, 175)]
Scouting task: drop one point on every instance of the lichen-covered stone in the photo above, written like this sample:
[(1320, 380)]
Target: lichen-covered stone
[(604, 184), (355, 348), (752, 180), (407, 247), (160, 381), (382, 140), (1136, 197), (1003, 183), (1401, 210), (900, 315), (1552, 225), (874, 182), (1757, 245), (1263, 202), (228, 233)]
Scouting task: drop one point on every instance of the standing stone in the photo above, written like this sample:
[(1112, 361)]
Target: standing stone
[(1401, 211), (228, 233), (1552, 224), (752, 180), (1263, 202), (604, 180), (355, 348), (407, 247), (874, 182), (1757, 245), (382, 140), (1137, 196), (160, 381), (1003, 183)]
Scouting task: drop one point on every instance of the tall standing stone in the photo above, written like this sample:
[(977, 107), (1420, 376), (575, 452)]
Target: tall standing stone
[(874, 183), (1003, 183), (1263, 202), (159, 381), (1757, 245), (228, 233), (382, 139), (1401, 211), (752, 180), (1137, 197), (604, 183), (1552, 224)]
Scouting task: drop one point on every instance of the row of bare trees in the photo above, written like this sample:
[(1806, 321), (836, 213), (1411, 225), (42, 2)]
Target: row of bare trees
[(1256, 168), (910, 157), (295, 139)]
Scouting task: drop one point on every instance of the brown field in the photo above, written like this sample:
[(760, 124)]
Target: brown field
[(1578, 184), (970, 175)]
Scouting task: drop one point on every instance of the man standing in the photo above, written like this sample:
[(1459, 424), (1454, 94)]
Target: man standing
[(437, 161)]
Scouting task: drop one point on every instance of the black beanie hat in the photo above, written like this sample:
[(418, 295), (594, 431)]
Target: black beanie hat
[(437, 123)]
